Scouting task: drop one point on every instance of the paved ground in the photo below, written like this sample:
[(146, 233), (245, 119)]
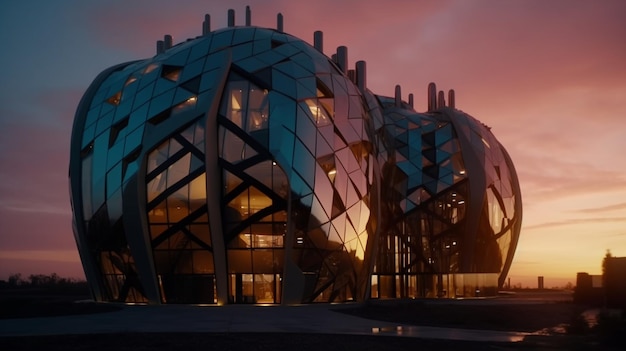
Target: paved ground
[(236, 318)]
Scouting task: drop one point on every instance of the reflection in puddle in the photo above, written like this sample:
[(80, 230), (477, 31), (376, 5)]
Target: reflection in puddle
[(450, 333)]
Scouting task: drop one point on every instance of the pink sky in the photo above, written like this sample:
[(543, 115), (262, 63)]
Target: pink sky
[(549, 77)]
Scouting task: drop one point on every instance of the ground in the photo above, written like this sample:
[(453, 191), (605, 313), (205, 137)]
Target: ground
[(498, 314)]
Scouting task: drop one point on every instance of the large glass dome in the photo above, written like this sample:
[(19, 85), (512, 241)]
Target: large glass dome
[(245, 166)]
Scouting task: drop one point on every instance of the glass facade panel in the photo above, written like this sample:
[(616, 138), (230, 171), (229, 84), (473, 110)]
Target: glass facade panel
[(178, 170), (301, 151)]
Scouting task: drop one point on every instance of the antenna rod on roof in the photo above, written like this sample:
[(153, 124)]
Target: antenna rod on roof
[(361, 75), (279, 22), (342, 59), (167, 42), (398, 96), (451, 98), (248, 16), (411, 100), (432, 96), (318, 40), (160, 47), (231, 18), (441, 102), (206, 25)]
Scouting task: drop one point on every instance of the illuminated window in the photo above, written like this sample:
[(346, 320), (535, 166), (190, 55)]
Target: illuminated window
[(171, 72), (246, 105), (115, 99)]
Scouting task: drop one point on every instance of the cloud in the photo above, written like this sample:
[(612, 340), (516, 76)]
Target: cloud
[(608, 208), (36, 207), (574, 221)]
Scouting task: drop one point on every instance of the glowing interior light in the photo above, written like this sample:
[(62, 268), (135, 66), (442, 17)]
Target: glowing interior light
[(318, 113), (234, 102), (461, 202), (332, 172), (462, 172), (150, 68), (130, 80)]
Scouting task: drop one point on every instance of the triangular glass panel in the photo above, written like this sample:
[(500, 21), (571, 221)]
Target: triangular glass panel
[(115, 99), (323, 91), (170, 72), (193, 85)]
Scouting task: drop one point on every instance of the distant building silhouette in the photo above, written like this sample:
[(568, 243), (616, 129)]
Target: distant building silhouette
[(614, 279), (608, 289)]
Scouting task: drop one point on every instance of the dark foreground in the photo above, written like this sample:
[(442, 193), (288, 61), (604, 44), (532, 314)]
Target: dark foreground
[(499, 315), (286, 341)]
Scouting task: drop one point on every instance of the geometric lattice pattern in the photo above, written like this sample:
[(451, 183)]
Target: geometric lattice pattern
[(245, 166), (451, 212)]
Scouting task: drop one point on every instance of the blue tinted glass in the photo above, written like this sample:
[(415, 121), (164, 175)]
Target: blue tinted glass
[(307, 87), (270, 57), (104, 123), (182, 95), (251, 64), (88, 135), (243, 35), (133, 140), (131, 170), (114, 179), (210, 79), (298, 185), (282, 111), (97, 194), (161, 103), (100, 96), (138, 117), (284, 84), (261, 46), (221, 40), (304, 162), (200, 48), (86, 186), (100, 150), (305, 129), (143, 96), (282, 146), (287, 49), (178, 59), (93, 114), (114, 206), (122, 111), (163, 85), (192, 70), (242, 51), (116, 153)]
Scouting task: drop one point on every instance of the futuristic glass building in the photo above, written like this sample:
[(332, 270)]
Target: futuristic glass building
[(245, 166)]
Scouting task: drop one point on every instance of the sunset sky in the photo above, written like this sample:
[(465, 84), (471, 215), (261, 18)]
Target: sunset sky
[(549, 77)]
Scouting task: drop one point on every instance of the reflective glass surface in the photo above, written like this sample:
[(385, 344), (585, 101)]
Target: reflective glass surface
[(304, 171)]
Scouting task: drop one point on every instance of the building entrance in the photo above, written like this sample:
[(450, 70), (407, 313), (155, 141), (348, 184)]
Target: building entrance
[(255, 288)]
